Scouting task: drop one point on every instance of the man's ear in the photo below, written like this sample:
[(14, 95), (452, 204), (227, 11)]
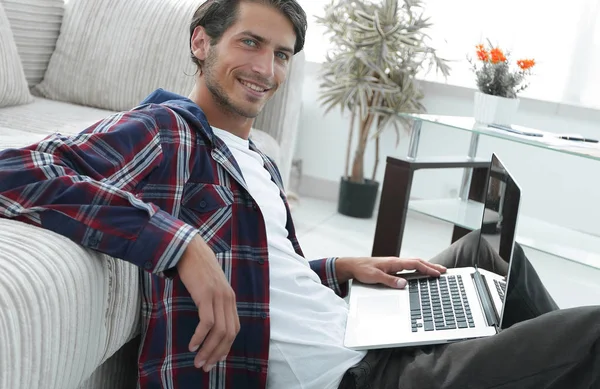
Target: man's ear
[(200, 43)]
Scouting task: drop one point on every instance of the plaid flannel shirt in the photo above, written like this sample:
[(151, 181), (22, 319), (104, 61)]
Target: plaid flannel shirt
[(138, 186)]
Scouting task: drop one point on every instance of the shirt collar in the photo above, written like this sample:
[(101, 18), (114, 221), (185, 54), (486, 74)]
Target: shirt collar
[(190, 111), (185, 107)]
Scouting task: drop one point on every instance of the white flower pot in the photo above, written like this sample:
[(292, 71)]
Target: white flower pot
[(490, 109)]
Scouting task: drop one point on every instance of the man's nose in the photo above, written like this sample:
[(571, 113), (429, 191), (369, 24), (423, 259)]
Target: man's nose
[(264, 64)]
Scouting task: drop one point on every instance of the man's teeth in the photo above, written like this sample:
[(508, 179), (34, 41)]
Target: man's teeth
[(252, 86)]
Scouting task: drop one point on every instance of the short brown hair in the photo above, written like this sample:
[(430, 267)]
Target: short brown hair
[(216, 16)]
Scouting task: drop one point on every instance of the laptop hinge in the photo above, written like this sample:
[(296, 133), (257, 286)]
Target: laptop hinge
[(484, 296)]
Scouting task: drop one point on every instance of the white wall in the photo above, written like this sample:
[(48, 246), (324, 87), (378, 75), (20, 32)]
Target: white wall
[(559, 188)]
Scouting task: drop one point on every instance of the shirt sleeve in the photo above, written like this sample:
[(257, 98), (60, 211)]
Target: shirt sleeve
[(85, 188), (325, 269)]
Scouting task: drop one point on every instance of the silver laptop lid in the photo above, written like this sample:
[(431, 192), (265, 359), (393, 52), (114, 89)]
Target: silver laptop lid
[(500, 214)]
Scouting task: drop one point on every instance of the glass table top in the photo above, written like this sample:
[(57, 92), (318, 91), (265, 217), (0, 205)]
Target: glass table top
[(543, 236), (520, 134)]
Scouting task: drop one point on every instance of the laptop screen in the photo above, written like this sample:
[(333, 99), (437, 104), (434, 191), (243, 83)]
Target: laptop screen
[(498, 229)]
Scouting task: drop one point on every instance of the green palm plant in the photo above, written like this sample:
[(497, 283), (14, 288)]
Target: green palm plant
[(379, 47)]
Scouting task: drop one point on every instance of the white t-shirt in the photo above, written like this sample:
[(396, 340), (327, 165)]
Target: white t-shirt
[(308, 319)]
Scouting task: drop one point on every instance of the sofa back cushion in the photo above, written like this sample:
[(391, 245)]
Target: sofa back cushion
[(13, 85), (112, 53), (35, 25)]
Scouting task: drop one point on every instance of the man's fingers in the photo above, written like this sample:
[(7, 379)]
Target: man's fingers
[(391, 281), (207, 321), (438, 267), (423, 267), (213, 340), (434, 266), (393, 265), (232, 324)]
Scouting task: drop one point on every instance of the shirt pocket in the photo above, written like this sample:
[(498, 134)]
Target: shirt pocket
[(208, 207)]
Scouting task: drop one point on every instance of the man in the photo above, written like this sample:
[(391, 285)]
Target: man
[(175, 187)]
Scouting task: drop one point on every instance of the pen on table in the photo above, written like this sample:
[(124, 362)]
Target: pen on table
[(578, 139)]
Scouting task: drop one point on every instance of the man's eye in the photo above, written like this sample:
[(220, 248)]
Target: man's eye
[(282, 56), (249, 42)]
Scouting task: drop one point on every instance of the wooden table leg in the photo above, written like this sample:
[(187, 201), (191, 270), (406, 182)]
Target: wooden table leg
[(393, 206), (476, 193)]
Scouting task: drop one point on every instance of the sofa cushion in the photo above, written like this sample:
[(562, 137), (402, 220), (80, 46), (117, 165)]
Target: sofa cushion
[(13, 85), (35, 25), (112, 53), (26, 124)]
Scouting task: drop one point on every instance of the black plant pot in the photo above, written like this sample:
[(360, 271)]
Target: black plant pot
[(357, 199)]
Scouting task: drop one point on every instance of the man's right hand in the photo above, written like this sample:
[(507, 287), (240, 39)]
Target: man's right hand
[(219, 324)]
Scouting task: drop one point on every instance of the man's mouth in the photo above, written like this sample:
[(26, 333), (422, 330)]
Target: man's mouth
[(254, 87)]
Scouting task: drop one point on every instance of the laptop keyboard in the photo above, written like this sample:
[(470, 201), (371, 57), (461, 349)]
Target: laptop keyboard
[(501, 288), (439, 304)]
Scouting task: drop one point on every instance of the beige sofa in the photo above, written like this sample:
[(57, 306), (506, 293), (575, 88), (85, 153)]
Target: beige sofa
[(69, 317)]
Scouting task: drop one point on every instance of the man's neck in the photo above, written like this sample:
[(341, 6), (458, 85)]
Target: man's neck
[(219, 117)]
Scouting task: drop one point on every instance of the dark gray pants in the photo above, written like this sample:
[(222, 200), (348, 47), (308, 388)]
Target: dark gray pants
[(539, 346)]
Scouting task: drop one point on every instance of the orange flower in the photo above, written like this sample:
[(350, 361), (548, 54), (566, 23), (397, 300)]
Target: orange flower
[(525, 64), (482, 53), (497, 55)]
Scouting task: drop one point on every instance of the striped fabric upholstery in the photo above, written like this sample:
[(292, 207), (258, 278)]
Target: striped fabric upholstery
[(35, 25), (112, 53), (13, 86), (65, 309), (118, 372)]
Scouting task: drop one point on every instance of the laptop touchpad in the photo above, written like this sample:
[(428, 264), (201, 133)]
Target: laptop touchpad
[(379, 305)]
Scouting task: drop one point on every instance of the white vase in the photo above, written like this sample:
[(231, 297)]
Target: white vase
[(490, 109)]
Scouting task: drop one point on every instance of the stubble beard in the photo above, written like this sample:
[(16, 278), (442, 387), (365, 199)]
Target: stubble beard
[(218, 92)]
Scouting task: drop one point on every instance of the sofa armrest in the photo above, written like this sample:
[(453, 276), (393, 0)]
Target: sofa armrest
[(119, 371), (64, 309)]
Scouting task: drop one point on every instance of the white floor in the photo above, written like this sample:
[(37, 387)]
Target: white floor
[(323, 233)]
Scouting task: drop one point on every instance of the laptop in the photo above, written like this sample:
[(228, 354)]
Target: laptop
[(464, 303)]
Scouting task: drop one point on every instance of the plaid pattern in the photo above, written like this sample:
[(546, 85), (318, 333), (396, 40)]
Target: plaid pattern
[(138, 186)]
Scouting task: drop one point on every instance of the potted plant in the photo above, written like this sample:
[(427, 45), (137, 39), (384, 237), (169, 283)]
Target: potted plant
[(499, 83), (378, 49)]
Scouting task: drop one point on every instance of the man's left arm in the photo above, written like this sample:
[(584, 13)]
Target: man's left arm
[(336, 272)]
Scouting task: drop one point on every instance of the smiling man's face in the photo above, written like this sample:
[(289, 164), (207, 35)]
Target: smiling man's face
[(250, 62)]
